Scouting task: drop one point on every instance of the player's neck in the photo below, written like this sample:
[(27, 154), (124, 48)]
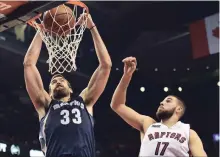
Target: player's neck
[(65, 99), (170, 122)]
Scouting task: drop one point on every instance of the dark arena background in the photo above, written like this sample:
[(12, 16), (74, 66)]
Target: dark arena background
[(166, 39)]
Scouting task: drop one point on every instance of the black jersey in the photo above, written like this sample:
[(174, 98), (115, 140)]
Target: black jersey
[(67, 129)]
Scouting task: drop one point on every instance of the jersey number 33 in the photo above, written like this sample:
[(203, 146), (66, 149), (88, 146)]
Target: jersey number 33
[(66, 116)]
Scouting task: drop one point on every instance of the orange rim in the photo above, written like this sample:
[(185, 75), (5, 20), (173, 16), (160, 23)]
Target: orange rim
[(78, 3)]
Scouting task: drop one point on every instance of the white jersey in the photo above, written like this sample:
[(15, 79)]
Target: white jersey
[(159, 140)]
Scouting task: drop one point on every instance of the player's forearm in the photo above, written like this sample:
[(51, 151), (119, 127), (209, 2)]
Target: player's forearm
[(33, 51), (101, 50), (119, 96)]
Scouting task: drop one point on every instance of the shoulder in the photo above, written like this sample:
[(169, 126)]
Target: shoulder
[(77, 97), (184, 126), (148, 119), (147, 122), (192, 134), (83, 95), (82, 100), (45, 109), (182, 123)]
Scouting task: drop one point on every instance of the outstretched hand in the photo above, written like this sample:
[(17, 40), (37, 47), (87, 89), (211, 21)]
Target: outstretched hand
[(130, 64), (90, 22)]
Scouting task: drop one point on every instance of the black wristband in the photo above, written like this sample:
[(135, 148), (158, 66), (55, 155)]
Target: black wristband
[(92, 27)]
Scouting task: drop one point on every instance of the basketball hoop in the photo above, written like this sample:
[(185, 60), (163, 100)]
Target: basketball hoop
[(62, 49)]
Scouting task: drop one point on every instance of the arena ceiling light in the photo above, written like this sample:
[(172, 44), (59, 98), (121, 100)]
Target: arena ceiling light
[(142, 89), (166, 89), (180, 89)]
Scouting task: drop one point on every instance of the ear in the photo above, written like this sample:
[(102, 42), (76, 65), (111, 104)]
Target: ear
[(49, 92), (179, 109), (71, 91)]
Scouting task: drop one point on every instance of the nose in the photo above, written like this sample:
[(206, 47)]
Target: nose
[(58, 83), (161, 103)]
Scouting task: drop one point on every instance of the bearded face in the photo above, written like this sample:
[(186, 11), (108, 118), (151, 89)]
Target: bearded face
[(164, 114), (60, 92), (59, 88), (167, 108)]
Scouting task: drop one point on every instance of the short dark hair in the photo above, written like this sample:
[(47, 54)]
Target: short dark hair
[(182, 103), (59, 75)]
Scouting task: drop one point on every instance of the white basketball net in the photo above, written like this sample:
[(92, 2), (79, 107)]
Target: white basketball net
[(62, 50)]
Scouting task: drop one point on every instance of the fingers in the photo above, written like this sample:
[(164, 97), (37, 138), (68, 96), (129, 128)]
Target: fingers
[(84, 15), (133, 64), (130, 64), (129, 60), (85, 18)]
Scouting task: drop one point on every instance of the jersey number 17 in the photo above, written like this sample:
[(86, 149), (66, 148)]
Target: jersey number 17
[(165, 145)]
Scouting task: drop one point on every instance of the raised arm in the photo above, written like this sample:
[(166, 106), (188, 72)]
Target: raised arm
[(100, 77), (136, 120), (195, 145), (33, 81)]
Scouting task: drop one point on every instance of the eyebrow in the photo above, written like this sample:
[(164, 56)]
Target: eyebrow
[(57, 78), (170, 98)]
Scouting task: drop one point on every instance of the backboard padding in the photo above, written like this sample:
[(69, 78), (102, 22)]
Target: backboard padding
[(13, 13)]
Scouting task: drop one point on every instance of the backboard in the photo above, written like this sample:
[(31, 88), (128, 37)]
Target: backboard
[(13, 13)]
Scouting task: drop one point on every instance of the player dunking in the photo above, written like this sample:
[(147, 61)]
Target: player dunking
[(66, 123), (169, 137)]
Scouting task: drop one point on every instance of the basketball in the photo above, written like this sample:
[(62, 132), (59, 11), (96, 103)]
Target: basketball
[(59, 20)]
